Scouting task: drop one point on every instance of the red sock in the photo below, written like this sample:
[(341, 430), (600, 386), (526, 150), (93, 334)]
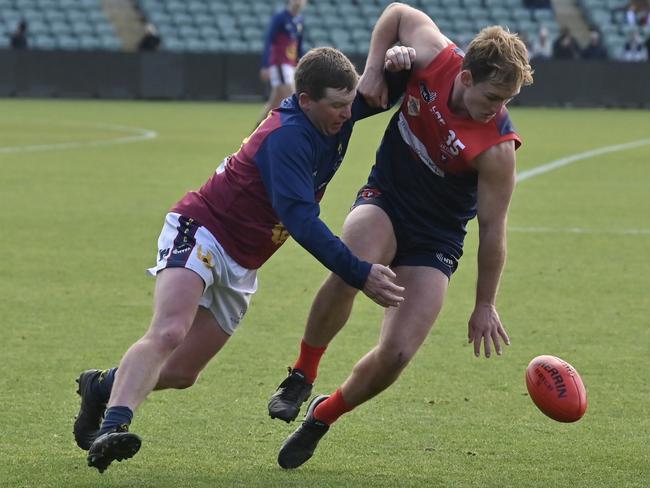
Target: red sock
[(308, 360), (330, 410)]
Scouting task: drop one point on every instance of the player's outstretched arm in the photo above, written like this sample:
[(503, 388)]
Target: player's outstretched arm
[(496, 182), (380, 287), (286, 170)]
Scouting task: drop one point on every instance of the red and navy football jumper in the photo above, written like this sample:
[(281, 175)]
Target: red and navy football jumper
[(423, 169)]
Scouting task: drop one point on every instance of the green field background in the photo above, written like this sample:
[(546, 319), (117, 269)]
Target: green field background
[(78, 228)]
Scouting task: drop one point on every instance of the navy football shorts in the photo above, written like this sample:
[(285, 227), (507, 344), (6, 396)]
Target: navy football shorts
[(418, 243)]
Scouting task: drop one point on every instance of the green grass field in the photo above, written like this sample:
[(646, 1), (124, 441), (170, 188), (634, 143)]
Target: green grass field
[(79, 225)]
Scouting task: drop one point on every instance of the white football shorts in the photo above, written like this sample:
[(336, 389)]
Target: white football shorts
[(228, 286), (281, 74)]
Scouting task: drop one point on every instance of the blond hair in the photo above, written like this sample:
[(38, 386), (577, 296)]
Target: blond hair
[(499, 57)]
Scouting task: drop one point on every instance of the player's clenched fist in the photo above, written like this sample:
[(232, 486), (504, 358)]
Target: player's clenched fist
[(399, 58)]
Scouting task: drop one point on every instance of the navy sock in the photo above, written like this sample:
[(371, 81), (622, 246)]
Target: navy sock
[(115, 417), (104, 384)]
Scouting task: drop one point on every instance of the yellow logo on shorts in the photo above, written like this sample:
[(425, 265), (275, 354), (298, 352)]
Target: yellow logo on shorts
[(279, 234), (205, 258)]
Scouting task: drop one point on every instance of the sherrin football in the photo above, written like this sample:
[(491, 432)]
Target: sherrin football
[(556, 388)]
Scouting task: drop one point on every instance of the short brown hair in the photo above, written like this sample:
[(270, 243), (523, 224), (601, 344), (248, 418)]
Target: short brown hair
[(324, 67), (500, 57)]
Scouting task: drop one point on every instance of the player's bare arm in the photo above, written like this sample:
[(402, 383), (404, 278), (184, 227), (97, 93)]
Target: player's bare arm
[(408, 26), (496, 182)]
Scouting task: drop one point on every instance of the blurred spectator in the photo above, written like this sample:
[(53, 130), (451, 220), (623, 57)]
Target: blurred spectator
[(151, 39), (542, 47), (19, 36), (634, 50), (282, 50), (566, 46), (638, 13), (647, 46), (524, 38), (595, 48)]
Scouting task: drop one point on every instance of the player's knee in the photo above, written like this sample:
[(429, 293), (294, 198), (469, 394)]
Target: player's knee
[(168, 338), (340, 287), (394, 357)]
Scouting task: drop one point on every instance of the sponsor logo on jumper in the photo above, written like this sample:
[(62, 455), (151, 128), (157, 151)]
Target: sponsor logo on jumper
[(279, 234), (441, 120), (291, 52), (163, 253), (413, 106), (427, 96)]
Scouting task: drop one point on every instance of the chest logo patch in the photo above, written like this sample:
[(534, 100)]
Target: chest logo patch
[(279, 234), (427, 96), (413, 106)]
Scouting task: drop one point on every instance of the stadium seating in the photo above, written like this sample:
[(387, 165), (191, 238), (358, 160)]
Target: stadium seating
[(228, 24), (240, 25), (608, 16), (59, 24)]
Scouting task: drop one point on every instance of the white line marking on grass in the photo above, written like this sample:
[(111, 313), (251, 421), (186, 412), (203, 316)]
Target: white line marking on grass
[(558, 163), (137, 134), (580, 230)]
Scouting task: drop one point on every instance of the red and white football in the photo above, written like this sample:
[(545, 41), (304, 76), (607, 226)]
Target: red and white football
[(556, 388)]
